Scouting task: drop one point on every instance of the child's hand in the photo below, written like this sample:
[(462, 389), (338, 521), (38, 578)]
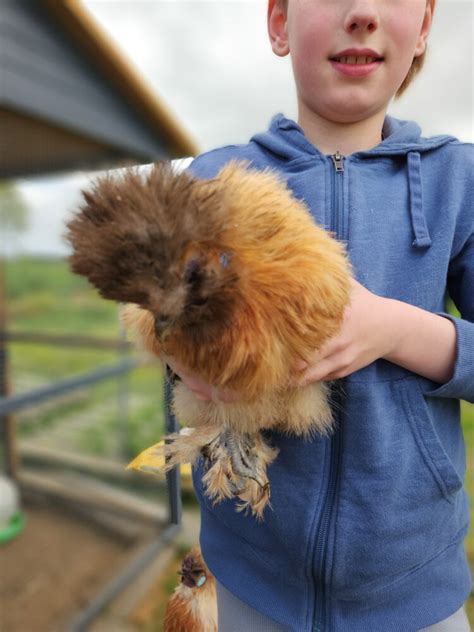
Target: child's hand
[(364, 337), (201, 389)]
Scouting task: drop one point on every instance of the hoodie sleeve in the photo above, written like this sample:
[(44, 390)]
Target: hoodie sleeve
[(461, 290), (207, 165)]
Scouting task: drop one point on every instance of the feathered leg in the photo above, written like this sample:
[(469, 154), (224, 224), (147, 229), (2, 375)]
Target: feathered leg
[(236, 465)]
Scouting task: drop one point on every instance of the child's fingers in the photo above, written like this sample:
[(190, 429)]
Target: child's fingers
[(300, 365), (201, 389), (225, 395), (314, 372), (201, 396), (316, 356)]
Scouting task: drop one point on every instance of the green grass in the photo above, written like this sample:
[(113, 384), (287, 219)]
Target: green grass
[(43, 296), (467, 415)]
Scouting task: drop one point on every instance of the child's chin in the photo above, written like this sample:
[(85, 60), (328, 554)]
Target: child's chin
[(355, 105)]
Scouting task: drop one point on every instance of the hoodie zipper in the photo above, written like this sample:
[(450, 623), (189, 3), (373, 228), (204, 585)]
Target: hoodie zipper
[(338, 160), (320, 552)]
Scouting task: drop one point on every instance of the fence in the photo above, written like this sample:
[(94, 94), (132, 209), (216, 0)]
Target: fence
[(14, 403)]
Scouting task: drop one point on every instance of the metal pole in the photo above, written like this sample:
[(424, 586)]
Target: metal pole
[(173, 478), (82, 621), (123, 402), (7, 421)]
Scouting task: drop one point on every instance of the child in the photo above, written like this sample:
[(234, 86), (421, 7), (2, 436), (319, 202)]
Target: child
[(367, 527)]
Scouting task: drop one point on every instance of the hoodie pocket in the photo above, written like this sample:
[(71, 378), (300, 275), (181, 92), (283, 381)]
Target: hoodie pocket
[(427, 439), (399, 505)]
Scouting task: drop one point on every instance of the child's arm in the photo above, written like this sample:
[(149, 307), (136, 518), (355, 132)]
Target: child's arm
[(377, 327), (437, 346), (426, 342)]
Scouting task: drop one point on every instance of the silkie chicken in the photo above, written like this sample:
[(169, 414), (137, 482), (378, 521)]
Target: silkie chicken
[(193, 605), (233, 278)]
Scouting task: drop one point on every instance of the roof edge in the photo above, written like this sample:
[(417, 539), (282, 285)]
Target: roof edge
[(87, 33)]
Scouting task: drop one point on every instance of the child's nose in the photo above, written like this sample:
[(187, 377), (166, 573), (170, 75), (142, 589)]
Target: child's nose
[(362, 16)]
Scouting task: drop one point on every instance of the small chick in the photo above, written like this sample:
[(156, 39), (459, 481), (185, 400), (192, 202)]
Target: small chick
[(193, 605)]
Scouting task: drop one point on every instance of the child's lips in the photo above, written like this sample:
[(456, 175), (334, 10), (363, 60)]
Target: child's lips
[(355, 70)]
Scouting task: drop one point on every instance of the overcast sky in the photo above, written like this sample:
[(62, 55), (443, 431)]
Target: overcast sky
[(212, 64)]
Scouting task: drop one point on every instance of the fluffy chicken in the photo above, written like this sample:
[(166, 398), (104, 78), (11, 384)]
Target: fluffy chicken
[(193, 605), (233, 278)]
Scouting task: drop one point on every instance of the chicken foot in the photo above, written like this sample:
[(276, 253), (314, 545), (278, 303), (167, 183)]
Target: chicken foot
[(235, 465)]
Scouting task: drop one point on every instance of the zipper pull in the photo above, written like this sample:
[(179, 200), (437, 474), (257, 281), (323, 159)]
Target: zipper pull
[(337, 159)]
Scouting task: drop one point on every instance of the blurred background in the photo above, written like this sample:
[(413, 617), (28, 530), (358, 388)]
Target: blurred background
[(93, 85)]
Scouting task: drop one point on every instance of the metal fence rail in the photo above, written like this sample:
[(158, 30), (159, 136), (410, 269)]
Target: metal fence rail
[(13, 403), (65, 340), (135, 567)]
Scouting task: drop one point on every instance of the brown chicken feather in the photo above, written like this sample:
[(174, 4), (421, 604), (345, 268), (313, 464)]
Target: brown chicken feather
[(232, 277)]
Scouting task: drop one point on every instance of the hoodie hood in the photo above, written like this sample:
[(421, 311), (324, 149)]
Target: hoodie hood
[(287, 141)]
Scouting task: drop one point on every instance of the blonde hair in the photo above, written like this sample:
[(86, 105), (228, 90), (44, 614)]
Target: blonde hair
[(416, 64)]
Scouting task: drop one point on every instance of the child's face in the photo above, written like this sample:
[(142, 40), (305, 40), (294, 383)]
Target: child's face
[(315, 32)]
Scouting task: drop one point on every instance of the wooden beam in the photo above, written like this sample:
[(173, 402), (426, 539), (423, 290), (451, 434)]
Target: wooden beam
[(74, 489), (31, 453)]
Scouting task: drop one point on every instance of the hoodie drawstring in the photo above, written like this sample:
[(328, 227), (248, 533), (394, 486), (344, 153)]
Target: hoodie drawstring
[(418, 221)]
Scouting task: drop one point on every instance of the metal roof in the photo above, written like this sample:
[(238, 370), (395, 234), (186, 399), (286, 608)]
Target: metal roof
[(69, 99)]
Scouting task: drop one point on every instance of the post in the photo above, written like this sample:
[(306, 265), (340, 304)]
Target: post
[(173, 478), (9, 457)]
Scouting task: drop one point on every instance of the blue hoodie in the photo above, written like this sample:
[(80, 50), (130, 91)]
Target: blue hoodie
[(367, 527)]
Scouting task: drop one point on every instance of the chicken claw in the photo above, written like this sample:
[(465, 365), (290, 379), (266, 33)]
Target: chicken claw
[(235, 466), (242, 455)]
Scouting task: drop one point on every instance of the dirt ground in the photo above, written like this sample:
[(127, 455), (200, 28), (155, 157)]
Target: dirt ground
[(53, 569)]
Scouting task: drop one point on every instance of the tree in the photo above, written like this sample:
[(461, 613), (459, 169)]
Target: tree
[(13, 220), (13, 215)]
